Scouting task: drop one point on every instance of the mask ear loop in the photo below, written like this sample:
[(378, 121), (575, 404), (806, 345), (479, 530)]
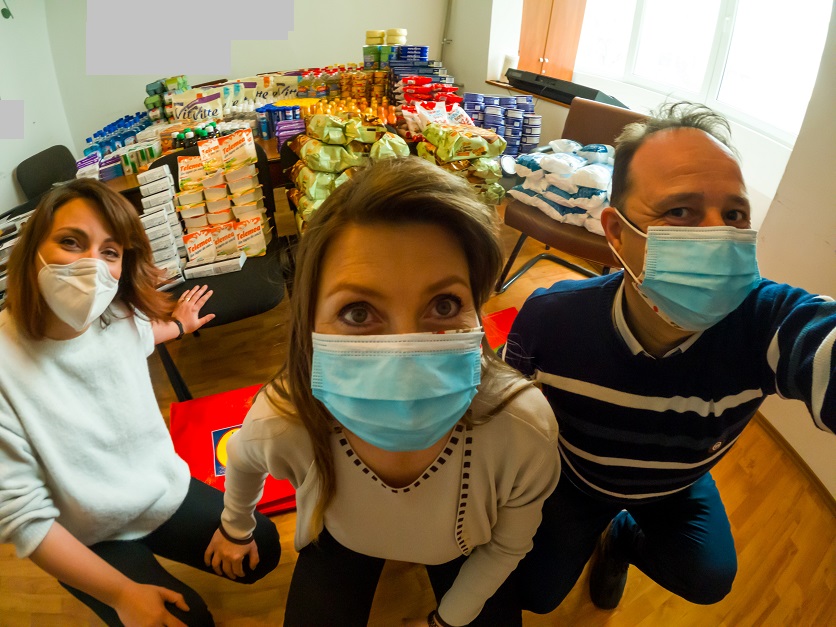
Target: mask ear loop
[(638, 231)]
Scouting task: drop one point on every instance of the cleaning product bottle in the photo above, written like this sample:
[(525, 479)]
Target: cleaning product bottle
[(91, 147)]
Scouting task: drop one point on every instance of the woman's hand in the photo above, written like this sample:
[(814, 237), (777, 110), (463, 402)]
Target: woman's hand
[(227, 558), (188, 307), (144, 606)]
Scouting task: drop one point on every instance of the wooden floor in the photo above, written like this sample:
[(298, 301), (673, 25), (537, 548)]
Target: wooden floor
[(784, 529)]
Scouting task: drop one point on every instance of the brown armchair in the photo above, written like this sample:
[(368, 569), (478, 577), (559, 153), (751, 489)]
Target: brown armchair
[(588, 122)]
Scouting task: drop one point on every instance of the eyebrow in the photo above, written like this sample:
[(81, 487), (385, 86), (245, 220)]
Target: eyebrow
[(370, 291), (689, 196), (79, 232)]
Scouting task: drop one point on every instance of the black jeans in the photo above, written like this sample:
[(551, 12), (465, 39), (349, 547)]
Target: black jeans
[(333, 585), (182, 538)]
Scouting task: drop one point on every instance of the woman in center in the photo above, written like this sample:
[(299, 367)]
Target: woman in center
[(403, 434)]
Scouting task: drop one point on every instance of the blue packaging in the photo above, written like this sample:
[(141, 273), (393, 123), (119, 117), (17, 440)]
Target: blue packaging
[(508, 101), (490, 99)]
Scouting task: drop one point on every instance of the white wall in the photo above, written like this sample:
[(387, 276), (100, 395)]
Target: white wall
[(325, 32), (28, 75), (798, 246)]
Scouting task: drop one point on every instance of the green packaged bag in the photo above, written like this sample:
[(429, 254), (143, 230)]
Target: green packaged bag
[(459, 141), (390, 146)]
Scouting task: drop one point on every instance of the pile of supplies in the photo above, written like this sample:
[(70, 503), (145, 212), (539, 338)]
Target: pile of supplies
[(571, 184), (510, 116), (329, 150), (162, 226)]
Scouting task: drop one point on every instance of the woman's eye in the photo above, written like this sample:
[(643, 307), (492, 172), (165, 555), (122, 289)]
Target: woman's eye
[(355, 314), (447, 306), (69, 242), (112, 254)]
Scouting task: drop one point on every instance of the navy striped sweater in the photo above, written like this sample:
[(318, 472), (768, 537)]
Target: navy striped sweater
[(634, 428)]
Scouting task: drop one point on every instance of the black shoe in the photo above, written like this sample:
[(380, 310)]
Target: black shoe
[(608, 573)]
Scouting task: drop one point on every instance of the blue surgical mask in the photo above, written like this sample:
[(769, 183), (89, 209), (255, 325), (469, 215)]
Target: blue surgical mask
[(693, 277), (397, 392)]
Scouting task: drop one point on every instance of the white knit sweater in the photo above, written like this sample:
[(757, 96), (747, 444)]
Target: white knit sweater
[(82, 441)]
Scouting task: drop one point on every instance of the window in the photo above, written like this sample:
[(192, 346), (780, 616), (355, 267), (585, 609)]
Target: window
[(756, 61)]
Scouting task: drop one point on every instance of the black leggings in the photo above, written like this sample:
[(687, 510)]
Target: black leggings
[(182, 538), (333, 585)]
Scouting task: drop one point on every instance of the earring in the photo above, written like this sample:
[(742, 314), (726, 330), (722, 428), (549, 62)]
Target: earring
[(6, 12)]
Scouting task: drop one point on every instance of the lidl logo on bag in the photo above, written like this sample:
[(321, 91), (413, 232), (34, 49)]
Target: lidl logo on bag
[(220, 439)]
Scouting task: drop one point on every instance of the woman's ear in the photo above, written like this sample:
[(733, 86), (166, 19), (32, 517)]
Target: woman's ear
[(611, 223)]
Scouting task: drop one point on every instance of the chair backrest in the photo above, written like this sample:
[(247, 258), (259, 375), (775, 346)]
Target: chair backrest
[(262, 164), (591, 122), (37, 174)]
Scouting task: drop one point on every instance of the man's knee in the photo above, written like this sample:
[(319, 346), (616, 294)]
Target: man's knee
[(710, 583)]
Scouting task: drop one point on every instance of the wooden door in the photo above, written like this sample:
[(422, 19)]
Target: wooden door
[(564, 33), (533, 34)]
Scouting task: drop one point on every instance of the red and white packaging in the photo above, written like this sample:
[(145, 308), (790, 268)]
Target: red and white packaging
[(200, 245)]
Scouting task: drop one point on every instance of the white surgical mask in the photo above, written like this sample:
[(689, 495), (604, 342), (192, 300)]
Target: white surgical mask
[(77, 292)]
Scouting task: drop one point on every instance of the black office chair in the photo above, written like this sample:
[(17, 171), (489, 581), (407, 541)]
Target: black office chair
[(257, 288), (37, 174)]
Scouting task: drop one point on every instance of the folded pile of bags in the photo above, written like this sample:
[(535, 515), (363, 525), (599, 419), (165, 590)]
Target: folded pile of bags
[(571, 184)]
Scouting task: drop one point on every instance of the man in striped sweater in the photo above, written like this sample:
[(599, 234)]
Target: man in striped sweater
[(654, 372)]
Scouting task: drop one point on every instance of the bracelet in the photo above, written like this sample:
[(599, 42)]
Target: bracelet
[(434, 620), (179, 326), (242, 542)]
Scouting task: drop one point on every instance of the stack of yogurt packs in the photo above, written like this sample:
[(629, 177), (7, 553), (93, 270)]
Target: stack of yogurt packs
[(571, 184)]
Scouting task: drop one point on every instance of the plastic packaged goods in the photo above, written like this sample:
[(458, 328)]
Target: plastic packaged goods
[(190, 172), (189, 197), (390, 146), (463, 142), (323, 157), (238, 149), (315, 185)]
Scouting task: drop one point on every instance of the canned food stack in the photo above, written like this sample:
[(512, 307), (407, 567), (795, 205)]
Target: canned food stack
[(474, 106), (530, 132)]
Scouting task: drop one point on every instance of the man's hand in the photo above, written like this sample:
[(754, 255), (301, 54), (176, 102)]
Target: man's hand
[(227, 558), (140, 605)]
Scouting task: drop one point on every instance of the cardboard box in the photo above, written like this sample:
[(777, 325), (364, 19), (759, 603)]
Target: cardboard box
[(223, 264)]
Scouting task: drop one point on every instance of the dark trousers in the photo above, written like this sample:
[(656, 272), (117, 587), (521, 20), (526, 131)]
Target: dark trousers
[(683, 542), (182, 538), (333, 585)]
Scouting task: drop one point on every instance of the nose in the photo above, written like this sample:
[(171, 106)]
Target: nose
[(713, 217)]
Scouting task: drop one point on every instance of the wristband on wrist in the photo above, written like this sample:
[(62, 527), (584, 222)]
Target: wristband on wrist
[(180, 327), (242, 541), (434, 620)]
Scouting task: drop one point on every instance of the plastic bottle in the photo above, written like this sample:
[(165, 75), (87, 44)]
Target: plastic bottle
[(91, 147), (303, 87), (263, 123), (189, 137), (320, 88)]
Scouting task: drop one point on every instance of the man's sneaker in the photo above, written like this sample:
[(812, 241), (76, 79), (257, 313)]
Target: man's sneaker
[(608, 573)]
